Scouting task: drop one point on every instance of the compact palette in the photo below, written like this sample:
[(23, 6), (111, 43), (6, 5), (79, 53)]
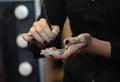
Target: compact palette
[(54, 50)]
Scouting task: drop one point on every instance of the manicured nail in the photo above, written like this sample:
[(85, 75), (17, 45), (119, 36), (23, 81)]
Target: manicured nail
[(67, 41), (52, 38)]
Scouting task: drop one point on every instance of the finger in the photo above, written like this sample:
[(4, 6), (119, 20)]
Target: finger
[(37, 36), (49, 33), (37, 43), (69, 41), (72, 50), (43, 52), (84, 37), (74, 40), (47, 29), (55, 30), (53, 56), (41, 32), (75, 48), (27, 37)]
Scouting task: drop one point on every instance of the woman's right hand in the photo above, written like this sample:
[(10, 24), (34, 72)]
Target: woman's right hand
[(41, 34)]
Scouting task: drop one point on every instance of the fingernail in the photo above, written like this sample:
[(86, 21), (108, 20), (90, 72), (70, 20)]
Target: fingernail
[(52, 38), (67, 41)]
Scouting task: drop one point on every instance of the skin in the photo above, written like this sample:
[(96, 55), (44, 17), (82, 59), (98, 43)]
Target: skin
[(83, 43), (86, 44), (40, 32)]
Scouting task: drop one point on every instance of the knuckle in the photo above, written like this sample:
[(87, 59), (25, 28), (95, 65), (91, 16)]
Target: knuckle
[(87, 35), (43, 22), (31, 30), (39, 30), (43, 25), (34, 23)]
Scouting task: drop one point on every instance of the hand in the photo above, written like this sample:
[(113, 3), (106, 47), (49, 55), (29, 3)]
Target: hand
[(84, 43), (79, 44), (41, 34)]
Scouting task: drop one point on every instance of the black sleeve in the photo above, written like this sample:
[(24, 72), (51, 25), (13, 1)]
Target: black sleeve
[(56, 12), (115, 50)]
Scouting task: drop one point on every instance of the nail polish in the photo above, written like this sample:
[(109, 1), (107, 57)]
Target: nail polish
[(52, 38), (67, 41)]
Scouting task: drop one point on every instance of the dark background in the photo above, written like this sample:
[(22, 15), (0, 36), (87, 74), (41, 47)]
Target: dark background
[(10, 54)]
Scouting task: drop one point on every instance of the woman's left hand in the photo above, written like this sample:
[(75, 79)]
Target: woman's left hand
[(83, 43), (79, 44)]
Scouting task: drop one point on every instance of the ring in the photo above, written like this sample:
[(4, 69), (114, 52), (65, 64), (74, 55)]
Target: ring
[(55, 32), (56, 29), (77, 39)]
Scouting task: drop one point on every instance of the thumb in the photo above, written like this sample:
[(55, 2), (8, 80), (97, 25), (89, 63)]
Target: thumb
[(74, 40), (82, 38)]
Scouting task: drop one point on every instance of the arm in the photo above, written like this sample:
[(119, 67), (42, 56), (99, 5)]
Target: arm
[(100, 48), (55, 9)]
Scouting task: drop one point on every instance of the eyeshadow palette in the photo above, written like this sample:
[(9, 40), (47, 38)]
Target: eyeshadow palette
[(54, 50)]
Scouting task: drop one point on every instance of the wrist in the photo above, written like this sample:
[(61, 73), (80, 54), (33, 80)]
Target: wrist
[(100, 47)]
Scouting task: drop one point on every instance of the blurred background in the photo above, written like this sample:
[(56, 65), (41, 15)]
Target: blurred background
[(17, 64)]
